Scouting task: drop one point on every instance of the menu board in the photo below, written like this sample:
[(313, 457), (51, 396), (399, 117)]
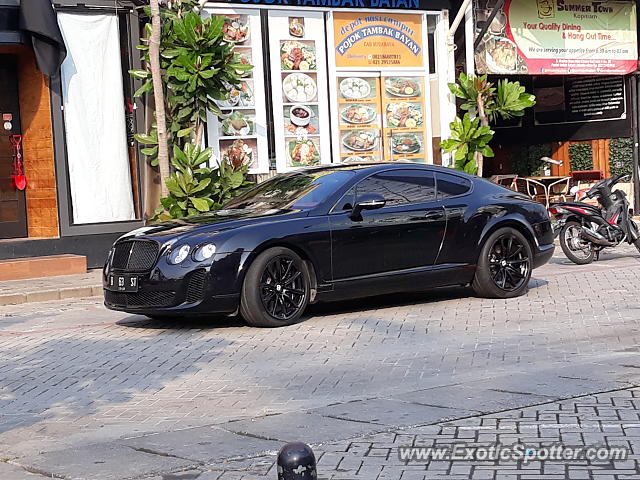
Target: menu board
[(404, 118), (380, 96), (299, 86), (566, 99), (359, 111), (238, 135)]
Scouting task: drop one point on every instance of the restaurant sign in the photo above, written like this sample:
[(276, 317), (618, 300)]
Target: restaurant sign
[(553, 37), (379, 41)]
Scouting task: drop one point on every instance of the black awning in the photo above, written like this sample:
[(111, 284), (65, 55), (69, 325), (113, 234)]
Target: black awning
[(38, 19), (10, 26)]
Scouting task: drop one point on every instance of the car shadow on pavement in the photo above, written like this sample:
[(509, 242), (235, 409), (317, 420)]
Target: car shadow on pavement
[(181, 323), (324, 308)]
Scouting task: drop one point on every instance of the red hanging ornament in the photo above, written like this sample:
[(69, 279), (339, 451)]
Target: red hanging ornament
[(18, 177)]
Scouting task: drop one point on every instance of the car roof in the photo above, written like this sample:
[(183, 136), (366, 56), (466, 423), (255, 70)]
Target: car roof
[(368, 167)]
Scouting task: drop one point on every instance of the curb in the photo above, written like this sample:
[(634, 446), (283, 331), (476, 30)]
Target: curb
[(48, 295)]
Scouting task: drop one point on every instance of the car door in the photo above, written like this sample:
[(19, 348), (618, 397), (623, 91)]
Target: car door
[(460, 242), (406, 233)]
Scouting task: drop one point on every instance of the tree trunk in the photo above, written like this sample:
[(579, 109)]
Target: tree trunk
[(158, 94), (484, 121)]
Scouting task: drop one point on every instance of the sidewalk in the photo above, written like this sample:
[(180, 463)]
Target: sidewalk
[(16, 292)]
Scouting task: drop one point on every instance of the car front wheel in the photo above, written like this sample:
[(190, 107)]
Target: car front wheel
[(504, 266), (276, 289)]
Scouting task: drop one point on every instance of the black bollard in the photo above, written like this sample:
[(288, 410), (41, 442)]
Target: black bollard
[(296, 461)]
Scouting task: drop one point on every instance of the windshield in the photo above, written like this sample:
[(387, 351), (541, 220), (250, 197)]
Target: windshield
[(300, 191)]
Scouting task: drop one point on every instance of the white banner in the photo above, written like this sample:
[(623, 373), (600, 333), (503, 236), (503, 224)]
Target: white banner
[(94, 113)]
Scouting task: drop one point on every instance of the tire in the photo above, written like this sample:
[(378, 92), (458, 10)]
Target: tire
[(634, 226), (273, 296), (569, 244), (504, 265)]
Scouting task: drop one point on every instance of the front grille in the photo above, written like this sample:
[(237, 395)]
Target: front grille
[(195, 288), (140, 299), (135, 255)]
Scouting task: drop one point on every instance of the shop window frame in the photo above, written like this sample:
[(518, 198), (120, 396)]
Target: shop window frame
[(65, 206)]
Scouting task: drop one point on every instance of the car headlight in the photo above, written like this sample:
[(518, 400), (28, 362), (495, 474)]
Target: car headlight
[(178, 255), (204, 252)]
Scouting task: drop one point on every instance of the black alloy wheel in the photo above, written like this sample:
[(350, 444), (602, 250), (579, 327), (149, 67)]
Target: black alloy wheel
[(508, 263), (504, 265), (276, 289), (282, 288)]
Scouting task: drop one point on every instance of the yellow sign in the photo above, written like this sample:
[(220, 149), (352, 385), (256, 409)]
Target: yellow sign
[(378, 40)]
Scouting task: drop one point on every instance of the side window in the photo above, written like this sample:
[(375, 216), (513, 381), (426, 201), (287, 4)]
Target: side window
[(346, 202), (400, 187), (451, 185)]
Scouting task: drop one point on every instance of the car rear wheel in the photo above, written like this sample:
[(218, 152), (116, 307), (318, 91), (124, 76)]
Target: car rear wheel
[(504, 266), (276, 289)]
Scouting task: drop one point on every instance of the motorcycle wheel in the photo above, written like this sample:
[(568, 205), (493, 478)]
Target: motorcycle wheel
[(574, 246)]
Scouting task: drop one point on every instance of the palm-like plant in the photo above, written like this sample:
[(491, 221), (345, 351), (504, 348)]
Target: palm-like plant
[(484, 103)]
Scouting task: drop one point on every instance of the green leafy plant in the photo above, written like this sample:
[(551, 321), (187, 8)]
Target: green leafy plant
[(195, 188), (621, 156), (198, 68), (581, 156), (468, 136), (484, 103)]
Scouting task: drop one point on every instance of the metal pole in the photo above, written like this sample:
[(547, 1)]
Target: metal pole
[(468, 41)]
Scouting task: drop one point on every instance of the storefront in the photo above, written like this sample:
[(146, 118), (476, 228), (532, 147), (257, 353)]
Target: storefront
[(70, 178), (347, 80), (580, 59)]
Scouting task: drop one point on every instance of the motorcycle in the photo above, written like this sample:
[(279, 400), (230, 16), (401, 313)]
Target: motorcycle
[(585, 229)]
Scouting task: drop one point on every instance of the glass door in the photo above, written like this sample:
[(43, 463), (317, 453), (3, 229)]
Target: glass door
[(13, 212)]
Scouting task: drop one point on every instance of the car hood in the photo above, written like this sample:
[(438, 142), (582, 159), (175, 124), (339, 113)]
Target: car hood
[(218, 222)]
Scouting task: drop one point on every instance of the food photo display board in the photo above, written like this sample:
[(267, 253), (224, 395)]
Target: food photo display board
[(380, 65), (299, 89), (239, 135)]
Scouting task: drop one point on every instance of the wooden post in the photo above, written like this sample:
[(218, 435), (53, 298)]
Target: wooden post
[(560, 151)]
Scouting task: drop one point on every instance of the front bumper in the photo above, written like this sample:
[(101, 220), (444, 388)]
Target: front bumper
[(188, 288)]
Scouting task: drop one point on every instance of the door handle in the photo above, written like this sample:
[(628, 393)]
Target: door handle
[(435, 215)]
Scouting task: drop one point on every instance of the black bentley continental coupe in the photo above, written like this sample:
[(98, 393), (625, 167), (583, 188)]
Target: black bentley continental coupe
[(332, 232)]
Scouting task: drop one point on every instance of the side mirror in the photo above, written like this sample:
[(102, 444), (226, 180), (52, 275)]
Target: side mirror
[(368, 201)]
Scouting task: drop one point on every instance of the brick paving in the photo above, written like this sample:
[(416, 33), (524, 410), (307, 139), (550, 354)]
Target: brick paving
[(610, 419), (75, 376)]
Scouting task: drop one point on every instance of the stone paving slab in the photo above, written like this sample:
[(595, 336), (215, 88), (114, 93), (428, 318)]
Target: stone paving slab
[(16, 292), (472, 397), (297, 426), (102, 462), (204, 444), (14, 472), (391, 413)]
